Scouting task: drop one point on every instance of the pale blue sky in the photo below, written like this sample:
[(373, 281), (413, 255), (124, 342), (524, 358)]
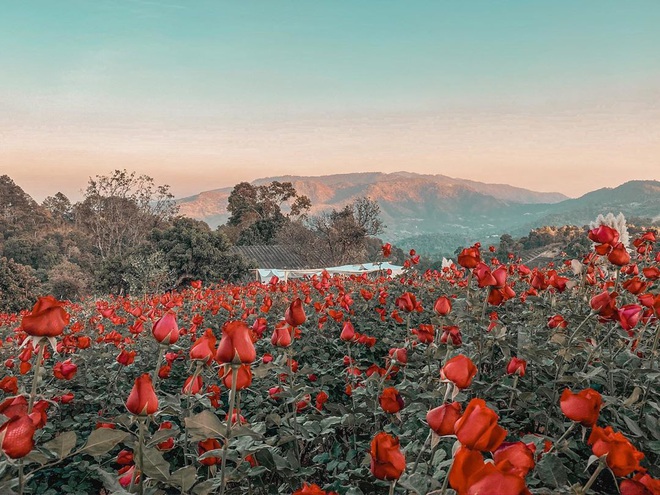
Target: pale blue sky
[(202, 94)]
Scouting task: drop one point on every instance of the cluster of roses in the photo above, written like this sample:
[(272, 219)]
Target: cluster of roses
[(622, 458), (25, 415)]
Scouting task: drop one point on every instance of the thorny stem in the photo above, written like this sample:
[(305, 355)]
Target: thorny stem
[(421, 451), (161, 348), (563, 437), (601, 466), (598, 346), (445, 483), (513, 392), (225, 447), (33, 394), (392, 487)]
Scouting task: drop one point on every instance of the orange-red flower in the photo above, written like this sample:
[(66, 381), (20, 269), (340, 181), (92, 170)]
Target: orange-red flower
[(281, 335), (295, 313), (443, 418), (622, 457), (516, 366), (310, 490), (47, 318), (142, 400), (387, 461), (206, 446), (629, 316), (16, 436), (236, 345), (65, 370), (477, 429), (243, 377), (204, 347), (469, 257), (391, 401), (442, 306), (470, 475), (515, 458), (166, 330), (619, 255), (460, 370), (583, 407), (347, 332)]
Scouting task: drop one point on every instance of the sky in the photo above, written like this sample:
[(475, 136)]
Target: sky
[(551, 95)]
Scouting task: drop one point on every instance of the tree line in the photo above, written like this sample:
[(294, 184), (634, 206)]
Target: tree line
[(125, 236)]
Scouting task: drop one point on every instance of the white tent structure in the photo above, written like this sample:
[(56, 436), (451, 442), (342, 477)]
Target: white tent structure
[(265, 275)]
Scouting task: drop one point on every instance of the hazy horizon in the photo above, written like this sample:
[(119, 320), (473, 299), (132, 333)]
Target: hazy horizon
[(552, 96)]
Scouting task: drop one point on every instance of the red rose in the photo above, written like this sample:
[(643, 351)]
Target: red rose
[(387, 461), (47, 318), (281, 335), (204, 347), (236, 344), (387, 249), (583, 407), (65, 370), (622, 457), (442, 306), (166, 330), (603, 235), (629, 316), (310, 490), (477, 429), (469, 257), (460, 370), (347, 332), (16, 436), (243, 378), (9, 385), (443, 418), (206, 446), (619, 255), (516, 366), (391, 401), (295, 314), (515, 458), (142, 400)]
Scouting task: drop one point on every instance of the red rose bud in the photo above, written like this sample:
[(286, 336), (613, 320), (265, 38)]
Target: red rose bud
[(126, 357), (443, 418), (281, 335), (603, 235), (622, 457), (166, 330), (469, 257), (347, 332), (295, 314), (236, 344), (629, 316), (312, 489), (477, 429), (321, 399), (516, 366), (453, 333), (65, 370), (16, 436), (206, 446), (400, 355), (142, 400), (387, 461), (515, 458), (47, 318), (583, 407), (124, 457), (442, 306), (243, 380), (192, 387), (460, 370), (387, 249), (619, 255), (557, 321), (204, 347), (391, 401), (9, 385)]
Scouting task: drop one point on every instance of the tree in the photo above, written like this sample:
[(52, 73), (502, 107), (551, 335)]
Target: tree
[(19, 213), (340, 236), (120, 209), (19, 287), (59, 207), (193, 251), (257, 213)]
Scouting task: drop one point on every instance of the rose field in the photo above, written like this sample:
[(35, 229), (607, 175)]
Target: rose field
[(485, 377)]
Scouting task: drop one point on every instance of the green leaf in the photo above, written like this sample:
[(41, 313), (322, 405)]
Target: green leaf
[(633, 427), (205, 425), (154, 465), (184, 477), (102, 441), (552, 471), (62, 445)]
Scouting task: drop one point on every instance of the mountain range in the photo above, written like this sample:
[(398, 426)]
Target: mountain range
[(416, 207)]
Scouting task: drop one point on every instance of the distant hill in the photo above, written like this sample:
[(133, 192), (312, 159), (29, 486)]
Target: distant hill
[(436, 213), (410, 203)]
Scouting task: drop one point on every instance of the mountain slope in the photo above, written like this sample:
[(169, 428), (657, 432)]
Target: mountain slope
[(409, 201)]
